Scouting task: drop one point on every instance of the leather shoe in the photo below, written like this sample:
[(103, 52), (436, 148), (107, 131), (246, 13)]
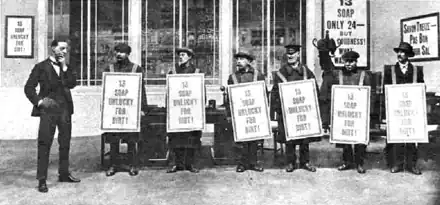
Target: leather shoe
[(192, 169), (415, 171), (396, 169), (308, 167), (290, 167), (361, 169), (256, 168), (110, 172), (240, 168), (344, 167), (174, 169), (42, 186), (68, 178), (133, 171)]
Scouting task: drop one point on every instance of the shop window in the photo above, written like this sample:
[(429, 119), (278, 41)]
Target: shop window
[(92, 27), (169, 24), (264, 27)]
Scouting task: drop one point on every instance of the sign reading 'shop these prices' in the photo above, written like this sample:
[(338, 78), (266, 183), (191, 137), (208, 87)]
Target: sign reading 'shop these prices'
[(406, 113), (185, 102), (121, 102), (299, 103), (249, 111), (350, 122)]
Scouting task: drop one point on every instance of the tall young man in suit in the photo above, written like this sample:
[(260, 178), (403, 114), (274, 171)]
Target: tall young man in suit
[(403, 72), (53, 104)]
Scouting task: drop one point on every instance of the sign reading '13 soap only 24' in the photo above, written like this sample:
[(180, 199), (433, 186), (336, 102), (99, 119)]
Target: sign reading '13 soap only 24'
[(422, 33), (347, 23)]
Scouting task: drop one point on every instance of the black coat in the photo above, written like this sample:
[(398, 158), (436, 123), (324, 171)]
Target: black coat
[(296, 75), (51, 85), (185, 139)]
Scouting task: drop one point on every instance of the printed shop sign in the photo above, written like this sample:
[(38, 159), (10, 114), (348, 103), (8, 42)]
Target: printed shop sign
[(422, 33), (347, 23), (249, 111), (350, 122), (185, 102), (299, 103), (406, 113), (121, 102), (19, 37)]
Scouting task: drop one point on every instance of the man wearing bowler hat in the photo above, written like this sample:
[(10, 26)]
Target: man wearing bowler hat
[(349, 75), (246, 73), (184, 144), (292, 71), (403, 72), (124, 65)]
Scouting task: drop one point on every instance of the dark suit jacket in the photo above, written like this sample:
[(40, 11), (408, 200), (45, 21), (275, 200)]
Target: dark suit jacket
[(51, 85), (402, 78)]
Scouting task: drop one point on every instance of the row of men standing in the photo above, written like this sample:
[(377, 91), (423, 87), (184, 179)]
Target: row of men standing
[(53, 104)]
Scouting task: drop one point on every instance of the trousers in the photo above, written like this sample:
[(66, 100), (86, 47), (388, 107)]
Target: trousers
[(303, 153), (357, 157), (46, 131)]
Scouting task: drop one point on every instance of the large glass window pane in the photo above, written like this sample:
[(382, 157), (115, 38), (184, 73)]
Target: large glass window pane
[(160, 36), (264, 27), (163, 21), (92, 28)]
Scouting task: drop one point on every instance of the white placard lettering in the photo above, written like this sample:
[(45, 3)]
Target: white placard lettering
[(299, 103), (121, 102), (350, 121), (19, 36), (406, 113), (185, 102), (249, 111), (422, 33), (347, 23)]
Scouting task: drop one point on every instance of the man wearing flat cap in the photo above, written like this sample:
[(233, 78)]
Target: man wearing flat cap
[(349, 75), (184, 144), (245, 73), (124, 65), (292, 71), (403, 72)]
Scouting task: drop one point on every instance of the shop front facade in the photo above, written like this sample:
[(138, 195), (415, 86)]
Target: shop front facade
[(214, 29)]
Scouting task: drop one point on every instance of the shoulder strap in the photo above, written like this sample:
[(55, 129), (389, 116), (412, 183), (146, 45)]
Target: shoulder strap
[(197, 70), (234, 79), (341, 78), (361, 79), (393, 74), (134, 68), (255, 75), (415, 73), (112, 68), (281, 76), (304, 72)]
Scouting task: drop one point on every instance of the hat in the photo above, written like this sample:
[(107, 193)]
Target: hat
[(405, 47), (123, 48), (244, 55), (292, 48), (350, 55), (189, 51)]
